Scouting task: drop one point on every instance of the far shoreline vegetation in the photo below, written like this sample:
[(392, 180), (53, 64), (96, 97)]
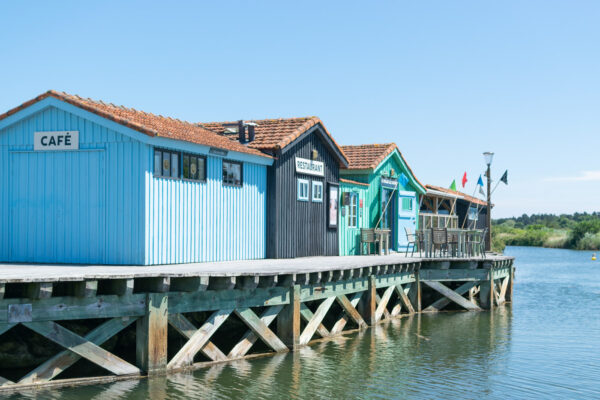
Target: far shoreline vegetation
[(579, 231)]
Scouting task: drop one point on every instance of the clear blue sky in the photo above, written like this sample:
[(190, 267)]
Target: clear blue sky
[(445, 80)]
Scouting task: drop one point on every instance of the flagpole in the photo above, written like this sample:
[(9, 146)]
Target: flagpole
[(469, 207)]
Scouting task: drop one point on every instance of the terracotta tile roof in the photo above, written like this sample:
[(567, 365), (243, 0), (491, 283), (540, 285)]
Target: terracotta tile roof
[(465, 196), (273, 134), (353, 182), (369, 156), (146, 123)]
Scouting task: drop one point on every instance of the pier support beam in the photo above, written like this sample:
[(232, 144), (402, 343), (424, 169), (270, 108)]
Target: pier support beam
[(288, 321), (368, 306), (486, 291), (151, 334), (509, 290)]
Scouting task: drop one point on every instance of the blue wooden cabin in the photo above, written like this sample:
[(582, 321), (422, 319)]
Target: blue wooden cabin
[(86, 182)]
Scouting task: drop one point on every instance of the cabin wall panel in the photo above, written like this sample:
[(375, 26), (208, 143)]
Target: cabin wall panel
[(296, 228), (205, 221), (119, 177)]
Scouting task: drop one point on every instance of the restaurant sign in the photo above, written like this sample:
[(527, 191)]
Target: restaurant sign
[(389, 183), (310, 167), (53, 141)]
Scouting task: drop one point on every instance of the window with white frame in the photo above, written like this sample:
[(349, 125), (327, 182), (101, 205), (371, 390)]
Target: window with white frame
[(302, 190), (353, 210), (317, 191)]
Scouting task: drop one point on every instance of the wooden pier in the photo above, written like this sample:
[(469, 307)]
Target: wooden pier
[(284, 304)]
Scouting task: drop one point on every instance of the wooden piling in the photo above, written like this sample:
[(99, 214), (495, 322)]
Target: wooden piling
[(151, 334), (369, 302), (288, 321)]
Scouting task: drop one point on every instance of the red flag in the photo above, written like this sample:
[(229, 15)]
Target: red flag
[(464, 181)]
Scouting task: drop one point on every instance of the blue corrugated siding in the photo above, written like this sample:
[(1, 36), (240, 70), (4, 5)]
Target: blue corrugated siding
[(205, 221), (117, 173)]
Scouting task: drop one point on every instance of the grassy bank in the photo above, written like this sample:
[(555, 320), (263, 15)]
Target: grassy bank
[(577, 231)]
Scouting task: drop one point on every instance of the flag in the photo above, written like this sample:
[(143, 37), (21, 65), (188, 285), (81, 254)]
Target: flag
[(480, 184), (453, 185), (403, 179), (464, 179), (505, 177)]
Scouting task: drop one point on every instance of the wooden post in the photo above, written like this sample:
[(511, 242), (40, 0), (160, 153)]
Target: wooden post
[(151, 334), (486, 291), (414, 294), (369, 303), (288, 321), (509, 290)]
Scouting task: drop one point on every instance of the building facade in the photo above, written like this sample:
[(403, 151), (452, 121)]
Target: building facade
[(302, 184), (447, 208), (87, 182), (391, 195)]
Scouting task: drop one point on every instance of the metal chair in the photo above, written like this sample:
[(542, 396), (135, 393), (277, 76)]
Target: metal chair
[(413, 239), (476, 240), (367, 236), (453, 241), (439, 239)]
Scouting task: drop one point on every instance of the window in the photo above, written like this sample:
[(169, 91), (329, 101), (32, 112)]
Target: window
[(232, 173), (302, 194), (473, 213), (194, 167), (407, 204), (353, 210), (166, 163), (317, 191)]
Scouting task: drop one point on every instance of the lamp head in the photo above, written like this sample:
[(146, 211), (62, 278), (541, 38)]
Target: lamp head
[(488, 156)]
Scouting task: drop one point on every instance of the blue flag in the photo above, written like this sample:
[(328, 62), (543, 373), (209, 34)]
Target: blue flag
[(480, 181), (403, 179), (480, 184)]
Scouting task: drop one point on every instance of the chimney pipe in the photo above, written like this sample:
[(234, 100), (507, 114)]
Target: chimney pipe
[(241, 132), (251, 132)]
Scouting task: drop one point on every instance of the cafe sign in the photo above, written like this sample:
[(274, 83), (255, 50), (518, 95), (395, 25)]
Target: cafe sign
[(53, 141), (310, 167)]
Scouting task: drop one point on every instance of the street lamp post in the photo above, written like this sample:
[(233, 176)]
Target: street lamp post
[(489, 156)]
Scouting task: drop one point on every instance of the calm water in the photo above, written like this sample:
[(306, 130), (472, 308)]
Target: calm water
[(547, 345)]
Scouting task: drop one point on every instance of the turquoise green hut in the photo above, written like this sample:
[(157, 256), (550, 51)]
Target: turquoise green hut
[(378, 190)]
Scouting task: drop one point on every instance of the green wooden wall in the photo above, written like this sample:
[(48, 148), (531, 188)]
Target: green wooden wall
[(372, 200), (350, 237)]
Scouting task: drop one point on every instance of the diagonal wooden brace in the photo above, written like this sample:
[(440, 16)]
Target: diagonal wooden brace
[(307, 315), (452, 295), (261, 329), (248, 340), (314, 323), (382, 306), (84, 348), (349, 307), (185, 356), (404, 299), (444, 301), (187, 329), (63, 360)]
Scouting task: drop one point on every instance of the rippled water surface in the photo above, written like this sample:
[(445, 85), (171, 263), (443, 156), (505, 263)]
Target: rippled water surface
[(546, 345)]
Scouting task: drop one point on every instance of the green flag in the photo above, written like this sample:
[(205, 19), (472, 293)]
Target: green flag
[(453, 186)]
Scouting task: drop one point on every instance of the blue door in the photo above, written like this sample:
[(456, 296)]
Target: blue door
[(57, 207), (407, 216)]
